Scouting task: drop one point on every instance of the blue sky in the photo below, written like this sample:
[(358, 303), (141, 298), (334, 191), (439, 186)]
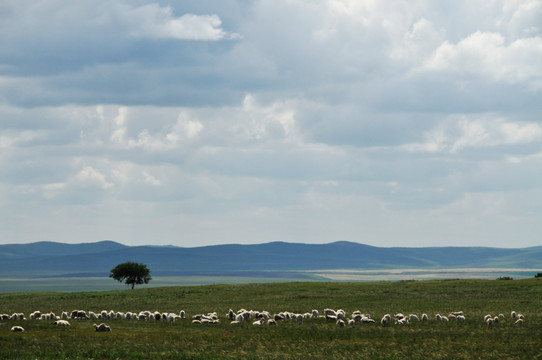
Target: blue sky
[(390, 123)]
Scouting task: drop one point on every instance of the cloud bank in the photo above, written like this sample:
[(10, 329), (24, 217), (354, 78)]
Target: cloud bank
[(400, 123)]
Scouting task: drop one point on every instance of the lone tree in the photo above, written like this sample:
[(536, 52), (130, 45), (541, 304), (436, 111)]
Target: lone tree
[(131, 273)]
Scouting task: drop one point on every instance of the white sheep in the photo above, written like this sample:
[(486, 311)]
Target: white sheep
[(351, 322), (315, 314), (489, 323), (62, 323), (102, 327), (182, 314), (271, 322), (386, 320), (518, 322), (413, 317), (340, 322), (425, 317), (357, 317), (17, 329), (92, 315)]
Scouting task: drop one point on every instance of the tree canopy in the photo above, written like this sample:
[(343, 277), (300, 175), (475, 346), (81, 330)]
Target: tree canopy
[(131, 273)]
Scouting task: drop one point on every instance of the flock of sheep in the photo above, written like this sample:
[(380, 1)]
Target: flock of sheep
[(247, 316)]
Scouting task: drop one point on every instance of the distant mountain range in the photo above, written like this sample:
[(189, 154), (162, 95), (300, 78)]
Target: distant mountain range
[(51, 259)]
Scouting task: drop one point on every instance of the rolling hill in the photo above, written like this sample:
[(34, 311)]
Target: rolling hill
[(49, 259)]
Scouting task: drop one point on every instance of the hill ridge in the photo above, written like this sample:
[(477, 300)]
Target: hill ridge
[(52, 259)]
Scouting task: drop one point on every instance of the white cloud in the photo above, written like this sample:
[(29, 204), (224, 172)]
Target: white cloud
[(90, 177), (488, 54), (159, 22), (463, 132), (149, 179)]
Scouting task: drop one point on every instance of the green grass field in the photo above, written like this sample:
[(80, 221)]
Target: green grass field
[(314, 339)]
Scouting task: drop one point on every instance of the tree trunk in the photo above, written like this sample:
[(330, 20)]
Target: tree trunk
[(133, 284)]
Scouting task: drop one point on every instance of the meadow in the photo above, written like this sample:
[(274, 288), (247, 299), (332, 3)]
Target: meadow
[(314, 339)]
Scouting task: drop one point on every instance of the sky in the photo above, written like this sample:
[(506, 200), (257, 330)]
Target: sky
[(200, 122)]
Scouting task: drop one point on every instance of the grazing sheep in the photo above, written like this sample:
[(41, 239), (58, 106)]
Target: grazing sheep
[(330, 312), (425, 317), (17, 329), (315, 314), (357, 317), (102, 327), (518, 322), (266, 314), (488, 316), (457, 313), (514, 315), (489, 323), (413, 317), (438, 317), (351, 322), (367, 320), (401, 321), (240, 318), (501, 316), (331, 317), (271, 322), (386, 320), (246, 315), (231, 315), (460, 318), (299, 319), (340, 323), (259, 322), (62, 323)]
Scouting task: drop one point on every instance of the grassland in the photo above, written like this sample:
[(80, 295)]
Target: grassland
[(314, 339)]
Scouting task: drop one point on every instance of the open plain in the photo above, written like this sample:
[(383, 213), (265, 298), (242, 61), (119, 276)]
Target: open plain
[(313, 338)]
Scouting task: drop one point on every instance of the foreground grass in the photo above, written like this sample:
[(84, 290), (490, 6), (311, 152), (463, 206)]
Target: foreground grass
[(314, 339)]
